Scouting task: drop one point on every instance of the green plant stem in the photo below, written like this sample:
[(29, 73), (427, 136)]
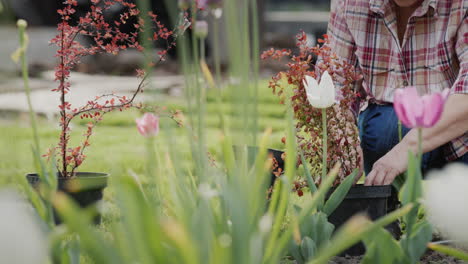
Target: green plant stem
[(216, 53), (202, 49), (420, 145), (217, 64), (324, 144), (284, 184), (400, 131), (24, 70), (255, 64), (152, 161), (199, 106)]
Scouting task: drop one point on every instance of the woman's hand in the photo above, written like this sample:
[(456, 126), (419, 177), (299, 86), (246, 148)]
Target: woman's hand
[(387, 168), (453, 124)]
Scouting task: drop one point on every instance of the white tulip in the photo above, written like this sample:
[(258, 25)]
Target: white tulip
[(21, 239), (320, 95), (446, 198)]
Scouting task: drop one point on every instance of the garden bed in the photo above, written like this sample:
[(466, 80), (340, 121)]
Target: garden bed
[(431, 257)]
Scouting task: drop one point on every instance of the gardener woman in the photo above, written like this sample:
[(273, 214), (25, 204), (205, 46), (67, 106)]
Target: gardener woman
[(400, 43)]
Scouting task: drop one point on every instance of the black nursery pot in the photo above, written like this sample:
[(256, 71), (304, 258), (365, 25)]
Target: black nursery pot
[(252, 153), (375, 201), (85, 188)]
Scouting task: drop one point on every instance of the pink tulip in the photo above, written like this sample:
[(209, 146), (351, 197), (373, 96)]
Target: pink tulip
[(419, 111), (148, 125)]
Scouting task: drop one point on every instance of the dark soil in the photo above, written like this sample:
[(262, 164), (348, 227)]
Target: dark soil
[(431, 257), (346, 260), (434, 257)]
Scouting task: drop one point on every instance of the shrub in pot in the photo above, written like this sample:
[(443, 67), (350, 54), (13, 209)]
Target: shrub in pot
[(87, 187)]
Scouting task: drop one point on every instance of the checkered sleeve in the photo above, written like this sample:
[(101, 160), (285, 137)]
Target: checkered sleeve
[(461, 47), (342, 42)]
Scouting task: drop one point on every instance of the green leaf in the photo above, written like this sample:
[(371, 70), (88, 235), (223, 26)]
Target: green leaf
[(415, 245), (382, 248), (399, 182), (449, 251), (318, 197), (295, 251), (339, 194), (412, 191), (355, 229), (317, 227), (71, 252), (308, 248), (310, 180)]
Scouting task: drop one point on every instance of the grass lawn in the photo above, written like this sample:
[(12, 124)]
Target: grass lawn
[(116, 144), (117, 148)]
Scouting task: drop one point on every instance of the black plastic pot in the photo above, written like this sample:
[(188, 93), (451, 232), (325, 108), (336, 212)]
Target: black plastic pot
[(375, 201), (252, 153), (85, 188)]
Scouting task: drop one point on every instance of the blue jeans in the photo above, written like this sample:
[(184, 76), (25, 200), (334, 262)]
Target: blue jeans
[(378, 130)]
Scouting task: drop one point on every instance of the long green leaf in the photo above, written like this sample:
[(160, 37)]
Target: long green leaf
[(312, 204), (415, 244), (412, 191), (339, 194), (310, 180), (382, 248), (449, 251)]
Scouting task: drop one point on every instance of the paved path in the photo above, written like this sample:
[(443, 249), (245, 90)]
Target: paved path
[(39, 50), (84, 87)]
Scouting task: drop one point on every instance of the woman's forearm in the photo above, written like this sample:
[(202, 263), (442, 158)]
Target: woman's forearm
[(452, 124)]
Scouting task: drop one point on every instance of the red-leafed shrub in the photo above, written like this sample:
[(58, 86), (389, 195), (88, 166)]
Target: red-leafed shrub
[(342, 131), (107, 38)]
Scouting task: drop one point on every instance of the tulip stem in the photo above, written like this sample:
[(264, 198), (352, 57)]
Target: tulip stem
[(324, 144), (202, 49), (400, 130), (150, 148), (420, 144), (24, 70)]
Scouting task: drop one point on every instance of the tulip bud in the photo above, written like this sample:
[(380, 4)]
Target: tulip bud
[(148, 125), (22, 23), (184, 4), (201, 29)]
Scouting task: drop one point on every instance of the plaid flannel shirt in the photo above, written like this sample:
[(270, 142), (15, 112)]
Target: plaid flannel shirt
[(432, 56)]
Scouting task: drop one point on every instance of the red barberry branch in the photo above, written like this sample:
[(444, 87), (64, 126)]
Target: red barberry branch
[(108, 39), (343, 136)]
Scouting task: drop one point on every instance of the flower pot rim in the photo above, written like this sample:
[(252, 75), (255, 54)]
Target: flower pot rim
[(81, 175), (80, 182), (360, 191)]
